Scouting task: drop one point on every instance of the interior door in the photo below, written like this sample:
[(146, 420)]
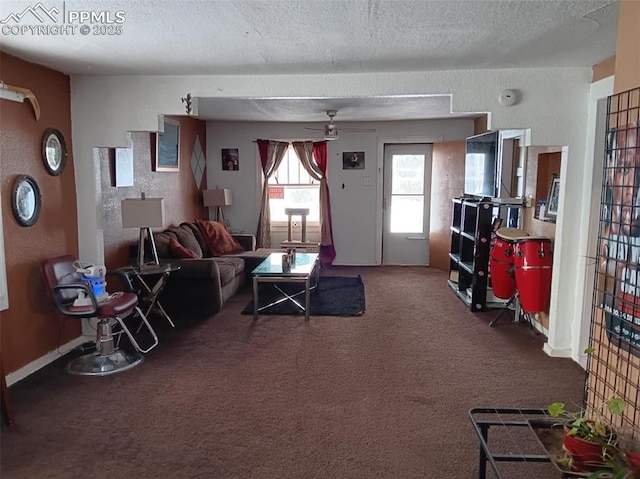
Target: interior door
[(448, 182), (406, 204)]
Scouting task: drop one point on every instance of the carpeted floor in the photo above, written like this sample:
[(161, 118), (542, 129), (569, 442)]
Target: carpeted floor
[(382, 395), (334, 296)]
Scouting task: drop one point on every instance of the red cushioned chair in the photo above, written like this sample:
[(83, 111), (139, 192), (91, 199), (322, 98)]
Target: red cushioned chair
[(64, 285)]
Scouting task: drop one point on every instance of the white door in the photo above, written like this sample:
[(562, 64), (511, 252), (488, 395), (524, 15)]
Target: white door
[(406, 204)]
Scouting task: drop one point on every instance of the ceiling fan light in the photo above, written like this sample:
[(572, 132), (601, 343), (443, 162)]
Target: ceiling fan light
[(330, 134)]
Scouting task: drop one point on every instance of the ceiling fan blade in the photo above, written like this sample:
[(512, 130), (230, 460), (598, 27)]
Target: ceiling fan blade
[(313, 129), (359, 130)]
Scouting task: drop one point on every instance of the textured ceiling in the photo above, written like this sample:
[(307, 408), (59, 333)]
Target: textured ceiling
[(245, 37)]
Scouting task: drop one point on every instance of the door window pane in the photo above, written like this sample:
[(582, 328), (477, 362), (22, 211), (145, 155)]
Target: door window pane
[(407, 214), (407, 175)]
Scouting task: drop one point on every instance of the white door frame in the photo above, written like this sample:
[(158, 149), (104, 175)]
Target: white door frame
[(382, 141)]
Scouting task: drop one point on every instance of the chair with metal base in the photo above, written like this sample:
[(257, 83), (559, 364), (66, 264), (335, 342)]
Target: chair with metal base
[(64, 284)]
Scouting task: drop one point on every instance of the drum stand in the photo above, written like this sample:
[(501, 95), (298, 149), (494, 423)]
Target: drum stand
[(513, 300)]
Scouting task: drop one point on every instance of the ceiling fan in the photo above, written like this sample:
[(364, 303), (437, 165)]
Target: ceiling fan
[(331, 130)]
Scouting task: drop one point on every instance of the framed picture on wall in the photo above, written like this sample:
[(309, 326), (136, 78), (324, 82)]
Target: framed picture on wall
[(353, 160), (168, 147), (230, 159), (553, 197)]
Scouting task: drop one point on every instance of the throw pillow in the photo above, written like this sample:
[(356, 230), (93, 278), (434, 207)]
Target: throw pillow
[(179, 251), (185, 238), (162, 244), (199, 238), (218, 239)]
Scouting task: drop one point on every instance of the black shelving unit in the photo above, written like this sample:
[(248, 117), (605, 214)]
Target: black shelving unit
[(469, 255)]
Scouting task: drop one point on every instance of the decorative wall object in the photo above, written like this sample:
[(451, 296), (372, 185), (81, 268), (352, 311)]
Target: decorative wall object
[(197, 162), (614, 364), (124, 167), (54, 151), (353, 160), (230, 159), (187, 103), (168, 147), (19, 94), (553, 197), (25, 200)]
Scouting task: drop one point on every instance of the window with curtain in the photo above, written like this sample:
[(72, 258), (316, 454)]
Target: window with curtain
[(292, 187)]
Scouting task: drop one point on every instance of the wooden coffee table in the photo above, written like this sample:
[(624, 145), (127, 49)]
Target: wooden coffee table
[(270, 270)]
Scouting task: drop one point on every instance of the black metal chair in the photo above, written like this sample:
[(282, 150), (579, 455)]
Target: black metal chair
[(64, 285)]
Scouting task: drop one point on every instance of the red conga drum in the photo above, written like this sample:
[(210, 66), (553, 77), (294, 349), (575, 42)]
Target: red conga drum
[(501, 261), (532, 264)]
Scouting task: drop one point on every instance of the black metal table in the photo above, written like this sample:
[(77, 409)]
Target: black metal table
[(518, 441)]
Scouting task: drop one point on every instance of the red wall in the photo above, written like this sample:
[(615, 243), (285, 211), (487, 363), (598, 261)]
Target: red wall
[(30, 328)]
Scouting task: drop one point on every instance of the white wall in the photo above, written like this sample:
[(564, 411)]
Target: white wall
[(354, 206), (554, 106)]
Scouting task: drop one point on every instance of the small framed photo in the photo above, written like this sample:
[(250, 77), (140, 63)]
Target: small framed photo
[(168, 147), (230, 159), (353, 160), (553, 197)]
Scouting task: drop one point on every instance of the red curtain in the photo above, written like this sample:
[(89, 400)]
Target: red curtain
[(327, 251), (263, 149)]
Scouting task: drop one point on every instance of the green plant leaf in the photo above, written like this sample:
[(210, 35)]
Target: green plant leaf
[(565, 463), (556, 409), (616, 405), (599, 429)]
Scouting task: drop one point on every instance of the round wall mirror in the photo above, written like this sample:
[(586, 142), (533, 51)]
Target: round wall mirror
[(54, 151), (25, 200)]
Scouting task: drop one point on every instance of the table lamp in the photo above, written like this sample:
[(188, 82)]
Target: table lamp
[(144, 213), (218, 198)]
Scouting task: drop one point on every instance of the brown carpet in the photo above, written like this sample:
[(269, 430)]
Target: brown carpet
[(382, 395)]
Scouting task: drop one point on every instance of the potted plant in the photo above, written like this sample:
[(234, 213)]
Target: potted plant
[(618, 466), (590, 441)]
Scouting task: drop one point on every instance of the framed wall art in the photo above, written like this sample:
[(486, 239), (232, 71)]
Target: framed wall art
[(353, 160), (168, 147), (553, 197), (230, 159)]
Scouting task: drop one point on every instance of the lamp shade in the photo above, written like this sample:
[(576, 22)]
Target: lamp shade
[(217, 197), (142, 213)]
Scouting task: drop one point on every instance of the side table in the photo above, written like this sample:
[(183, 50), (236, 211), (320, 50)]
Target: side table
[(516, 441), (148, 293)]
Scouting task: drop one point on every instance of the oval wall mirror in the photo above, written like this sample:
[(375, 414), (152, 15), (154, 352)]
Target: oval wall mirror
[(25, 200), (54, 151)]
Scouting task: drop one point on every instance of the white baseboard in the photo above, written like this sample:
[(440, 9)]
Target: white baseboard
[(540, 328), (42, 361), (557, 353)]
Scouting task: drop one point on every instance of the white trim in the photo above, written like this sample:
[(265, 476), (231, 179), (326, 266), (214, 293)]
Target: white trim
[(556, 353), (539, 327), (594, 165), (382, 141), (42, 361)]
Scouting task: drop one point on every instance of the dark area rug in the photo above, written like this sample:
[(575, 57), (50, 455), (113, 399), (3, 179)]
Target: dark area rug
[(335, 296)]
